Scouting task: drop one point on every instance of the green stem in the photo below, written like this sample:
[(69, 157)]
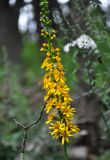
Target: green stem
[(65, 152)]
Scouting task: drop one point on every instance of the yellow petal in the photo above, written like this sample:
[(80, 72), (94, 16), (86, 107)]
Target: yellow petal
[(63, 140)]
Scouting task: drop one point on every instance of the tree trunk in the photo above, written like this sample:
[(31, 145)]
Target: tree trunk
[(10, 37)]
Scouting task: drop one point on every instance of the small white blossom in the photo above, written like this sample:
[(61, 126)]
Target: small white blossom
[(84, 41), (67, 47)]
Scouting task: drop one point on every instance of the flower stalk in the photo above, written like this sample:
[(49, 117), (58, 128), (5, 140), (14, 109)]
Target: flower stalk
[(65, 151)]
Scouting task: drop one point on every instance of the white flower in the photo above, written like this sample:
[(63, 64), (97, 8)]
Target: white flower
[(66, 48), (84, 41)]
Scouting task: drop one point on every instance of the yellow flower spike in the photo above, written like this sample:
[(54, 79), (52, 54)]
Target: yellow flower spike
[(60, 114)]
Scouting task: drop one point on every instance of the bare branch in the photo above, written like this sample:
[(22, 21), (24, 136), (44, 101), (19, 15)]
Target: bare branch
[(18, 124), (26, 129), (35, 122)]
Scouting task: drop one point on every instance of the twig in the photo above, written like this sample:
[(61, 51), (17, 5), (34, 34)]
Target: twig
[(35, 122), (19, 124), (26, 128)]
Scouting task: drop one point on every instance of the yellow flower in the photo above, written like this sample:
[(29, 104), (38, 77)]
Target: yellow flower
[(59, 65), (56, 129), (67, 97), (49, 105), (42, 30), (56, 74), (50, 117), (42, 49), (46, 33), (48, 53), (57, 49), (44, 44), (67, 111), (65, 134), (62, 90), (54, 36), (57, 53), (48, 108), (58, 58), (59, 105), (42, 34), (47, 65), (72, 128), (53, 31), (51, 38)]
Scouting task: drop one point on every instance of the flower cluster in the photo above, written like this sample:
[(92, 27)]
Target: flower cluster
[(84, 41), (60, 114)]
